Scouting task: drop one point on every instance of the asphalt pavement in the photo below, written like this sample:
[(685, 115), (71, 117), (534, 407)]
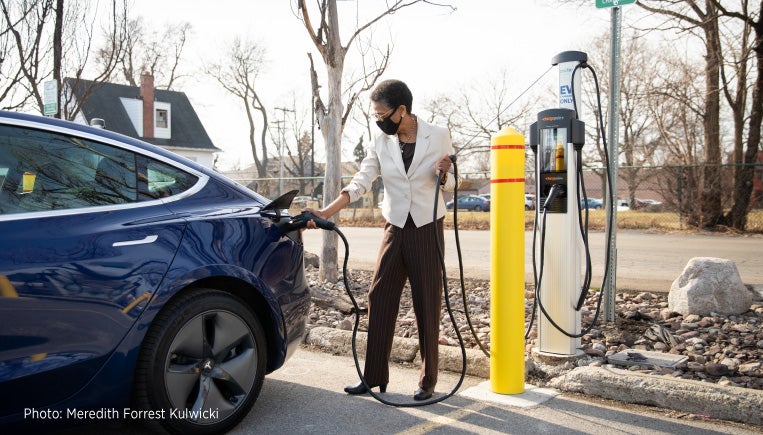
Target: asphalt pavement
[(645, 261), (306, 397)]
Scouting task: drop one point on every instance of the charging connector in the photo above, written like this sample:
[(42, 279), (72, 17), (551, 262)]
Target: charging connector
[(556, 190), (300, 221)]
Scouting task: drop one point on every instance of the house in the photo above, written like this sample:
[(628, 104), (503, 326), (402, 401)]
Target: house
[(163, 118)]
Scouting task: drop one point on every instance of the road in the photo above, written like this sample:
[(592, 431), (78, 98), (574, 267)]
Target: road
[(645, 261)]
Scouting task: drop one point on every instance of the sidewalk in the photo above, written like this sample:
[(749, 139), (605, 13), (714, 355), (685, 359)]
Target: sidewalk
[(704, 399)]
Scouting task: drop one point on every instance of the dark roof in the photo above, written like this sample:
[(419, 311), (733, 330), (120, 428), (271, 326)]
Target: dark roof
[(103, 101)]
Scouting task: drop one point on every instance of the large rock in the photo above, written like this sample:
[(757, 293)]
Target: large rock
[(709, 285), (312, 260)]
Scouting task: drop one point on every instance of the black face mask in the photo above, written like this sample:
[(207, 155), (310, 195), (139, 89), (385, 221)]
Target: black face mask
[(388, 126)]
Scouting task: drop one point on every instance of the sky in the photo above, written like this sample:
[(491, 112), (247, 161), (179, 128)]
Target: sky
[(436, 51)]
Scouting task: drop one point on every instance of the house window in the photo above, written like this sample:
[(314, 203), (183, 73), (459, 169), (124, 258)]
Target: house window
[(161, 118)]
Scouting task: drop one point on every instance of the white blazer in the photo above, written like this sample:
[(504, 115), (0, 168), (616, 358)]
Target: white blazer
[(406, 193)]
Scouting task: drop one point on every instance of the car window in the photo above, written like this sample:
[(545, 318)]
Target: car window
[(160, 180), (42, 171)]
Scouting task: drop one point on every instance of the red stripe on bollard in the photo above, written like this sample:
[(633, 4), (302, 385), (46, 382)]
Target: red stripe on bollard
[(507, 147)]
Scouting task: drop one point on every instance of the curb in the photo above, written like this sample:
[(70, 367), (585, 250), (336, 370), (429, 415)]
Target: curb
[(404, 350), (719, 402)]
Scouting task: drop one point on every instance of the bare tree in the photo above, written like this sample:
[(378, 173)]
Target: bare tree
[(702, 16), (79, 58), (25, 22), (295, 139), (477, 113), (751, 19), (11, 74), (158, 52), (43, 53), (676, 103), (237, 73), (640, 138), (331, 117)]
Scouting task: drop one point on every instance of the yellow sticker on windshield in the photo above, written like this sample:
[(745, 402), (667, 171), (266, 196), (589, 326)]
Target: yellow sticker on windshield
[(28, 182)]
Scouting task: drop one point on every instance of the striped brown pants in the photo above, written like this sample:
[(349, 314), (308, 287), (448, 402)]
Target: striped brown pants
[(406, 253)]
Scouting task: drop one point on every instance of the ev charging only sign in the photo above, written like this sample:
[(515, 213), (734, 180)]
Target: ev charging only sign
[(601, 4)]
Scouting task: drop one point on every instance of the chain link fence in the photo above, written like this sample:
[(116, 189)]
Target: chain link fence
[(671, 197), (660, 198)]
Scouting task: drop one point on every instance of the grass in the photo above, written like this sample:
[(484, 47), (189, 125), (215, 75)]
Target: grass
[(635, 220)]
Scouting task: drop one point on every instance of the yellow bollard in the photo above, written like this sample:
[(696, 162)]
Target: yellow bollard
[(507, 262)]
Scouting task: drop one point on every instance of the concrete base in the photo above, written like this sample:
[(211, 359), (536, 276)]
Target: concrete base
[(555, 358), (533, 396)]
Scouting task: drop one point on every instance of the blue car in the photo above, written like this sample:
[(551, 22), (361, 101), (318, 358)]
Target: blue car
[(471, 203), (592, 203), (136, 283)]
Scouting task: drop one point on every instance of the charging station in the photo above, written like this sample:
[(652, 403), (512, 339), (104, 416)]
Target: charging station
[(557, 138)]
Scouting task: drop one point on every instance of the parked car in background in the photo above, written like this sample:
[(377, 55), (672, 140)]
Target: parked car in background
[(301, 202), (471, 203), (593, 203), (644, 202), (133, 278), (529, 201)]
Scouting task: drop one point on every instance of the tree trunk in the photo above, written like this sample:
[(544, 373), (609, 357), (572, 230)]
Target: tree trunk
[(332, 135), (710, 202), (743, 192), (58, 31)]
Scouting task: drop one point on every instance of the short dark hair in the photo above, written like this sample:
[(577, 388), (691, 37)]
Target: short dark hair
[(393, 93)]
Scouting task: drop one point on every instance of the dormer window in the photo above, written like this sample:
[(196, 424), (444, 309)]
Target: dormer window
[(161, 118)]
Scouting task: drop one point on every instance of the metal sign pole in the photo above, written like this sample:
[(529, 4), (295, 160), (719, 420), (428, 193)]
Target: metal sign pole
[(610, 287)]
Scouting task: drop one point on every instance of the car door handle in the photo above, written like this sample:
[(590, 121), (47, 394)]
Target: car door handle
[(143, 241)]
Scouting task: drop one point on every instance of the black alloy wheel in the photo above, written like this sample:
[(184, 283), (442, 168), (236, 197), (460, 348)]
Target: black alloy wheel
[(202, 363)]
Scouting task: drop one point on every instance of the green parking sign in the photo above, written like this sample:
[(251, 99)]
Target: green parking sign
[(601, 4)]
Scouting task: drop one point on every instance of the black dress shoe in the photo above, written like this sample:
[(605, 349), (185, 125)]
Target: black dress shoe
[(361, 389), (423, 394)]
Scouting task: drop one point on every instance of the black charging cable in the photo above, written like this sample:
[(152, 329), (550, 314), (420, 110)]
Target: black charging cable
[(468, 317)]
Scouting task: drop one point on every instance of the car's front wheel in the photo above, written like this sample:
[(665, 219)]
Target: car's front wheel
[(202, 363)]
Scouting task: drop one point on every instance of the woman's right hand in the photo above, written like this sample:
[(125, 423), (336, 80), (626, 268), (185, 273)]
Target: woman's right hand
[(319, 213)]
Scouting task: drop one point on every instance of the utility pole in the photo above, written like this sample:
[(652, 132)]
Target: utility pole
[(281, 143)]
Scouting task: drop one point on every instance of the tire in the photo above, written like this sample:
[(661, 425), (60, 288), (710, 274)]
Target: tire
[(205, 352), (477, 208)]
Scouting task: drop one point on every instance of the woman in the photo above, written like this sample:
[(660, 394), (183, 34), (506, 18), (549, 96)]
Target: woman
[(408, 155)]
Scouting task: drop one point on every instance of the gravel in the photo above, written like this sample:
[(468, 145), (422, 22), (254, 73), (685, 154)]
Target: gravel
[(721, 349)]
